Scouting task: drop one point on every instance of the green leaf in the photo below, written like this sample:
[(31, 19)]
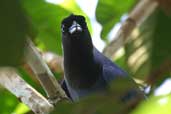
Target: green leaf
[(155, 105), (8, 102), (161, 40), (148, 50), (13, 32), (21, 109), (109, 12), (46, 17)]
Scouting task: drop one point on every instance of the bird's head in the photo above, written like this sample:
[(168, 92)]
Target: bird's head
[(73, 25), (75, 34)]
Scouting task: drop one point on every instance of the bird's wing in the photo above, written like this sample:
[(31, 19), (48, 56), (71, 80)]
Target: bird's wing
[(116, 77), (65, 88), (111, 73), (122, 84), (109, 69)]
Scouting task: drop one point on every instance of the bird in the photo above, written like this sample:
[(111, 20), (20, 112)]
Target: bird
[(86, 70)]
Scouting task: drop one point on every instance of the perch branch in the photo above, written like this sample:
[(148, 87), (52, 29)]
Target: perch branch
[(29, 96), (55, 62), (43, 73), (136, 17)]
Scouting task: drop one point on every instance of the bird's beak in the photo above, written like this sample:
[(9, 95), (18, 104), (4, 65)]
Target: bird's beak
[(75, 28)]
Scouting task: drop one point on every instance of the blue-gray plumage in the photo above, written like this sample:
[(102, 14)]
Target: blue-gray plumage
[(86, 70)]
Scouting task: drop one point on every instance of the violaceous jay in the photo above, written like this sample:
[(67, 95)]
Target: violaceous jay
[(86, 70)]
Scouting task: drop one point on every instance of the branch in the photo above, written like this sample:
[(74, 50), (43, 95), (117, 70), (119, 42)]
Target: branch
[(43, 73), (136, 17), (29, 96), (55, 62)]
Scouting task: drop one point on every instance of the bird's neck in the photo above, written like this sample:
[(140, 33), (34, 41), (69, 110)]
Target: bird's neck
[(79, 63), (78, 55)]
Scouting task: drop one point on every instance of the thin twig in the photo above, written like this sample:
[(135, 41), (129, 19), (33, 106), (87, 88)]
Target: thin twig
[(28, 95), (43, 73), (136, 17)]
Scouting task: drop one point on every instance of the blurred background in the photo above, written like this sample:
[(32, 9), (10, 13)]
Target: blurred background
[(146, 55)]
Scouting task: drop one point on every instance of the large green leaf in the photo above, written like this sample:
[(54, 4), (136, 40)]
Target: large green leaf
[(8, 102), (155, 105), (21, 109), (46, 17), (13, 31), (148, 50), (161, 40), (138, 49), (109, 12)]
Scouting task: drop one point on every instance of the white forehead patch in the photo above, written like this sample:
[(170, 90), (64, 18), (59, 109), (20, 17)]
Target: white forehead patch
[(75, 27)]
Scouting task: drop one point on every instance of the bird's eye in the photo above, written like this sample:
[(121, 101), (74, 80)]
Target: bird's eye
[(81, 21), (63, 28), (81, 18)]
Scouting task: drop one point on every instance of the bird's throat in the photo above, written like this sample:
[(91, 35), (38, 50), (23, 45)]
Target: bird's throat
[(79, 65)]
